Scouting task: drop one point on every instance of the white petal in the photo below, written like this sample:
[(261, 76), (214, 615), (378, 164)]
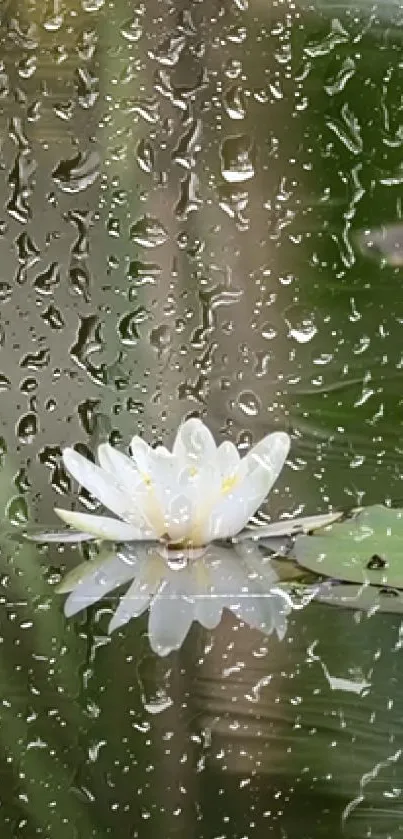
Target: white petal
[(194, 443), (59, 536), (208, 600), (266, 612), (281, 607), (82, 571), (217, 583), (103, 527), (133, 603), (228, 459), (263, 465), (208, 610), (98, 482), (141, 453), (171, 615), (178, 515), (122, 468), (289, 527), (269, 455), (247, 585), (106, 577)]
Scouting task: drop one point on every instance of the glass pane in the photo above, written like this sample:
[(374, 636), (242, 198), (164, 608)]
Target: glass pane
[(201, 217)]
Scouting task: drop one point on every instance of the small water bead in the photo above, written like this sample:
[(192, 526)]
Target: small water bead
[(249, 403)]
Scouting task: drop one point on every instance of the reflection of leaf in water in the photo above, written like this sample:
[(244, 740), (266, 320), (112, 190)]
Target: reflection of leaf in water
[(367, 598)]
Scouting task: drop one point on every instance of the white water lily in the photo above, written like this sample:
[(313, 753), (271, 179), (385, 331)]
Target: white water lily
[(181, 501)]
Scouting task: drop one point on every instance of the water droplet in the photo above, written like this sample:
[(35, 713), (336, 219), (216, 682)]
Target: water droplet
[(160, 338), (148, 232), (27, 66), (234, 103), (5, 292), (132, 30), (143, 273), (268, 331), (54, 22), (127, 326), (160, 703), (189, 200), (27, 428), (17, 133), (3, 451), (28, 385), (46, 282), (36, 361), (301, 325), (80, 281), (87, 44), (77, 173), (53, 318), (169, 51), (92, 5), (4, 82), (188, 145), (149, 109), (249, 403), (145, 156), (20, 179), (5, 383), (64, 110), (82, 219), (88, 415), (17, 510), (237, 158), (237, 34), (336, 36), (27, 251), (87, 87)]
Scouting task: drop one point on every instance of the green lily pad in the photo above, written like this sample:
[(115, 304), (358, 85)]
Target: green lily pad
[(367, 548), (364, 598)]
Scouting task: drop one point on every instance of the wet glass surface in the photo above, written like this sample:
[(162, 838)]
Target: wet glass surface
[(201, 214)]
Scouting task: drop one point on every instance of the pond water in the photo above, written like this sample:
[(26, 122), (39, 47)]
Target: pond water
[(201, 215)]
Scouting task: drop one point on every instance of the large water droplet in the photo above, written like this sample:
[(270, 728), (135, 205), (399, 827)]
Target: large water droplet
[(237, 158), (128, 324), (234, 103), (17, 510), (148, 232), (77, 173), (132, 29), (46, 282), (27, 428), (301, 325), (87, 87)]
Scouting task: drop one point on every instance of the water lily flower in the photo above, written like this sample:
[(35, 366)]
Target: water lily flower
[(169, 509)]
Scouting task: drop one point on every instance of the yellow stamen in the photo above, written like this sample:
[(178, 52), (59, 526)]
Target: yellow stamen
[(228, 484)]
